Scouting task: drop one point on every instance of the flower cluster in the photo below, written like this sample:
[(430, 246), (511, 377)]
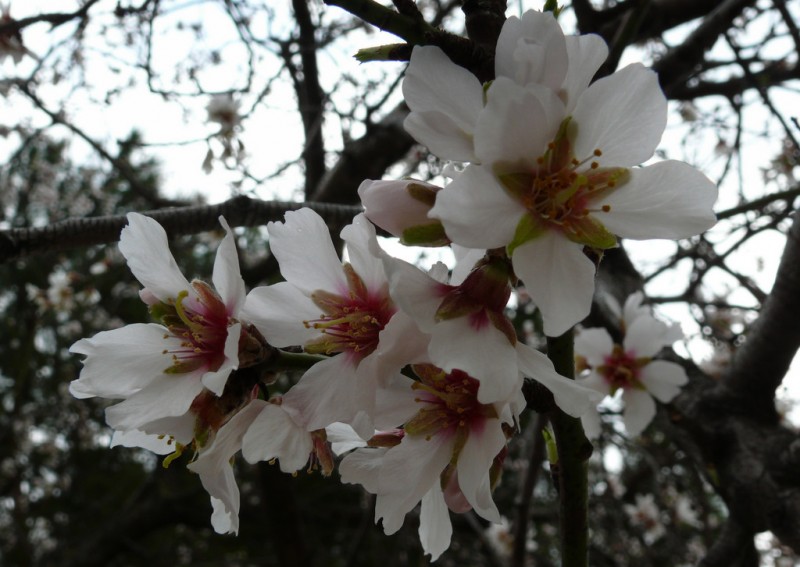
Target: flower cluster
[(414, 374)]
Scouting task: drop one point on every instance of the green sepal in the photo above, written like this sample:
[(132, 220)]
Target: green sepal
[(591, 232), (527, 229), (552, 6), (518, 185), (422, 193), (425, 235), (159, 311)]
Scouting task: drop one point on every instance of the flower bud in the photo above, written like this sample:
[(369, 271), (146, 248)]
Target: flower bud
[(401, 209)]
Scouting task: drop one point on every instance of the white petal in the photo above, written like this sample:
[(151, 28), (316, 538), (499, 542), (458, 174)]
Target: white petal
[(158, 444), (466, 258), (647, 336), (470, 207), (474, 465), (623, 115), (222, 519), (571, 396), (343, 438), (123, 361), (395, 403), (591, 423), (179, 427), (441, 135), (532, 50), (640, 409), (435, 529), (226, 276), (214, 467), (434, 83), (215, 380), (596, 382), (633, 309), (586, 53), (516, 125), (663, 379), (363, 466), (594, 345), (328, 392), (165, 397), (669, 199), (559, 278), (409, 471), (415, 292), (364, 253), (273, 435), (278, 311), (144, 244), (302, 244), (484, 353)]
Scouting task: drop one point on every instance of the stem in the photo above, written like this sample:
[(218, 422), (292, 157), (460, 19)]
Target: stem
[(410, 29), (293, 360), (573, 452)]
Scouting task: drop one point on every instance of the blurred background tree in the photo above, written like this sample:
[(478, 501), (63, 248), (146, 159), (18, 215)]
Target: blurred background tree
[(110, 106)]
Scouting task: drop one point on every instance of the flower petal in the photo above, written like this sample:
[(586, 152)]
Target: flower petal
[(415, 292), (669, 199), (559, 278), (484, 353), (434, 84), (227, 277), (531, 49), (215, 380), (214, 467), (474, 464), (516, 125), (594, 345), (274, 435), (663, 379), (278, 311), (364, 253), (302, 244), (121, 362), (585, 53), (158, 444), (571, 396), (647, 335), (640, 409), (363, 466), (165, 397), (144, 244), (592, 425), (435, 529), (623, 115), (441, 135), (470, 207)]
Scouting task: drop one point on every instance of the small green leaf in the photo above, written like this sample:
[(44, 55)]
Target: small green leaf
[(591, 232)]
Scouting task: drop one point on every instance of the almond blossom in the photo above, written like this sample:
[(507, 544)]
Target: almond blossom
[(450, 444), (173, 377), (629, 368), (553, 158), (336, 309)]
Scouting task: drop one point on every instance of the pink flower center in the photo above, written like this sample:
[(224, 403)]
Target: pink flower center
[(449, 403), (201, 322), (622, 369), (350, 323)]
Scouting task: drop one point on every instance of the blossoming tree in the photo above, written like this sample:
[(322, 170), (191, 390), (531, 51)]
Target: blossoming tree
[(431, 396)]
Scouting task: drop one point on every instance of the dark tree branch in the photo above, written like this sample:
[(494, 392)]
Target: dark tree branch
[(239, 211), (674, 67), (310, 97), (55, 19), (763, 360)]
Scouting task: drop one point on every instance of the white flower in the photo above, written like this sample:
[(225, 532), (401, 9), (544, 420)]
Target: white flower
[(449, 439), (330, 308), (159, 370), (552, 159), (646, 515), (629, 367), (561, 182)]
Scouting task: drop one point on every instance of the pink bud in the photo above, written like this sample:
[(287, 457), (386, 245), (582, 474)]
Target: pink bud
[(396, 206)]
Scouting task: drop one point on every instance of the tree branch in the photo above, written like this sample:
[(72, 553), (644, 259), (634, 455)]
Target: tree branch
[(239, 211)]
